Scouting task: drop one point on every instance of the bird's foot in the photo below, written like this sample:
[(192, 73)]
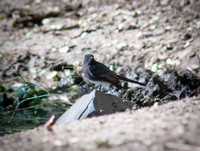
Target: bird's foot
[(98, 88)]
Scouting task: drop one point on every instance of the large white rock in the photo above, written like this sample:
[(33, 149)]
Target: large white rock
[(93, 104)]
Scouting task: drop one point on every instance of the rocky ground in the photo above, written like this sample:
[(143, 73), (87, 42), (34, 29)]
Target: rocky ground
[(155, 42)]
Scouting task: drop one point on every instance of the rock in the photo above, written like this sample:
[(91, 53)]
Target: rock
[(93, 104)]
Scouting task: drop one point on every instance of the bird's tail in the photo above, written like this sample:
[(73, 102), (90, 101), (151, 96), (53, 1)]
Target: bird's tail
[(129, 80)]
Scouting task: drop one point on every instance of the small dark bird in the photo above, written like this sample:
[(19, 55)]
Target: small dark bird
[(99, 74)]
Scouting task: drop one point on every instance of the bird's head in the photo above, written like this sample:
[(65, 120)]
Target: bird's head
[(89, 58)]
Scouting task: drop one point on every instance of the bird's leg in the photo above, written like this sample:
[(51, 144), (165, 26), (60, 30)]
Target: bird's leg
[(125, 86), (99, 88)]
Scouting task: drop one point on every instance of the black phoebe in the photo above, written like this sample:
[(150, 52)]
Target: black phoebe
[(99, 74)]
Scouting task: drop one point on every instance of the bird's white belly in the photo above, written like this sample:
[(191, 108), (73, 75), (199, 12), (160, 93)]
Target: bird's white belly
[(102, 83)]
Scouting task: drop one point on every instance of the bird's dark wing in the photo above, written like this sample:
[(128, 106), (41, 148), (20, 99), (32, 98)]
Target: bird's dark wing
[(102, 73)]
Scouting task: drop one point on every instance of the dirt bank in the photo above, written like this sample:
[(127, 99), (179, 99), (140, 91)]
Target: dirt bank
[(173, 126)]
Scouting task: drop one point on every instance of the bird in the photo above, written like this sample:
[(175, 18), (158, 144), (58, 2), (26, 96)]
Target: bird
[(99, 74)]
